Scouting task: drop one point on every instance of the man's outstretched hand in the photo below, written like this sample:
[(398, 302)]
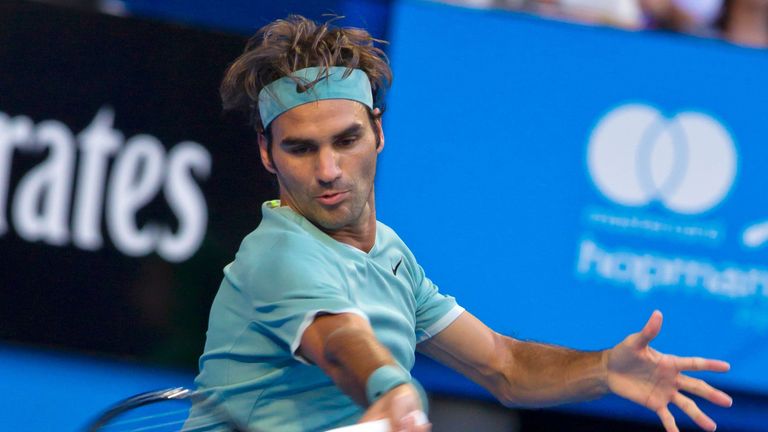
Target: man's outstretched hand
[(643, 375)]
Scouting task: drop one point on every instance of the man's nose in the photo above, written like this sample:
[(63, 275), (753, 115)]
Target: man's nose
[(328, 169)]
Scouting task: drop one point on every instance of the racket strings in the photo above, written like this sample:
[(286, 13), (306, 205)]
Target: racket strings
[(145, 418), (166, 421)]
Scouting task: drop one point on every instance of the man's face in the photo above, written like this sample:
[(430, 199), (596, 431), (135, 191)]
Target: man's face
[(324, 155)]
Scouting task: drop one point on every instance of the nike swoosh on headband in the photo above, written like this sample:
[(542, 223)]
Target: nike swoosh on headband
[(283, 94)]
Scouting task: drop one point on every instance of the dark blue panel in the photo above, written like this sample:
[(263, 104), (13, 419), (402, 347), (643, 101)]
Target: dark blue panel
[(247, 15)]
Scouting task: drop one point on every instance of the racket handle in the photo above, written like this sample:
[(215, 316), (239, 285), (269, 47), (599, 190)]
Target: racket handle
[(370, 426), (380, 425)]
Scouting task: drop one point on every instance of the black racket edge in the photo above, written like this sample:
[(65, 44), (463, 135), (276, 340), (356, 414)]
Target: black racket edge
[(146, 398)]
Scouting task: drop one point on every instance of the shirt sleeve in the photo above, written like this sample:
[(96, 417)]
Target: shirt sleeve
[(288, 291), (434, 311)]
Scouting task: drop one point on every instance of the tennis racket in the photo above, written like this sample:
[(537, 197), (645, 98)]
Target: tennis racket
[(172, 410), (165, 411)]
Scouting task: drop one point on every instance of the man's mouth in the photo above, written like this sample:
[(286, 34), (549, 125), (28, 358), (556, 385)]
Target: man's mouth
[(332, 198)]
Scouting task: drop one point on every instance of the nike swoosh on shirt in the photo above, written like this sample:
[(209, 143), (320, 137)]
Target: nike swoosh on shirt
[(397, 266)]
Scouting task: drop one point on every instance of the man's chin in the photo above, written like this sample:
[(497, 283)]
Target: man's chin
[(333, 220)]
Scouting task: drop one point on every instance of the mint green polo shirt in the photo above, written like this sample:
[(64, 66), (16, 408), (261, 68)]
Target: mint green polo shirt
[(286, 272)]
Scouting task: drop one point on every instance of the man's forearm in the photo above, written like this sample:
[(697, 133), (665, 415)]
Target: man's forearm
[(350, 357), (541, 375), (347, 350)]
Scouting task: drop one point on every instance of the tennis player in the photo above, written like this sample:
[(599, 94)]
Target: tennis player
[(317, 320)]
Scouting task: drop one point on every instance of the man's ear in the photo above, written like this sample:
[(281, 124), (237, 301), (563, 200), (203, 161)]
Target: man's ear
[(266, 157), (379, 128)]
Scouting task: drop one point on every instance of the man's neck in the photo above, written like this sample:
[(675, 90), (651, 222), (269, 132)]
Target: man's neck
[(361, 236)]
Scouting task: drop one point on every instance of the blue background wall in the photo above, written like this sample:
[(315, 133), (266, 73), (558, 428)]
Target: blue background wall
[(486, 177)]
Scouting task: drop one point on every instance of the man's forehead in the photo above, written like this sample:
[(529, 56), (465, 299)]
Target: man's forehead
[(324, 116)]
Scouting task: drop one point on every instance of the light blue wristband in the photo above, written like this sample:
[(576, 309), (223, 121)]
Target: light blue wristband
[(383, 380), (388, 377)]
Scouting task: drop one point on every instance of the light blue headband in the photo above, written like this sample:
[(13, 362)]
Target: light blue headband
[(283, 94)]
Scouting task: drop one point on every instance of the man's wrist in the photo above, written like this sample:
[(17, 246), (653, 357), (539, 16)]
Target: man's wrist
[(384, 379)]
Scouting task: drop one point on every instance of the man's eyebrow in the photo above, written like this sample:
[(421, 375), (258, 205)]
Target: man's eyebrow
[(296, 142), (293, 142), (351, 130)]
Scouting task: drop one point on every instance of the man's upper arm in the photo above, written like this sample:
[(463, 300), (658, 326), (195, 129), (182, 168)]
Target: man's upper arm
[(314, 338), (471, 348)]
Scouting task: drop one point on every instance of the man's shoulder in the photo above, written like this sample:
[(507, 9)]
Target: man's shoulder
[(280, 230), (287, 261), (279, 247)]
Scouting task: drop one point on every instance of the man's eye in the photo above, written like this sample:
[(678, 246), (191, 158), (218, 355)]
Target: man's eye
[(346, 142), (298, 150)]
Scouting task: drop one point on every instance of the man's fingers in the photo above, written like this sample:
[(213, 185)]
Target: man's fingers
[(667, 419), (414, 422), (701, 364), (693, 411), (702, 389), (651, 328), (419, 417), (407, 424)]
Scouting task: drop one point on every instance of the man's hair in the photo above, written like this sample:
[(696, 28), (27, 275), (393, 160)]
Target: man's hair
[(285, 46)]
